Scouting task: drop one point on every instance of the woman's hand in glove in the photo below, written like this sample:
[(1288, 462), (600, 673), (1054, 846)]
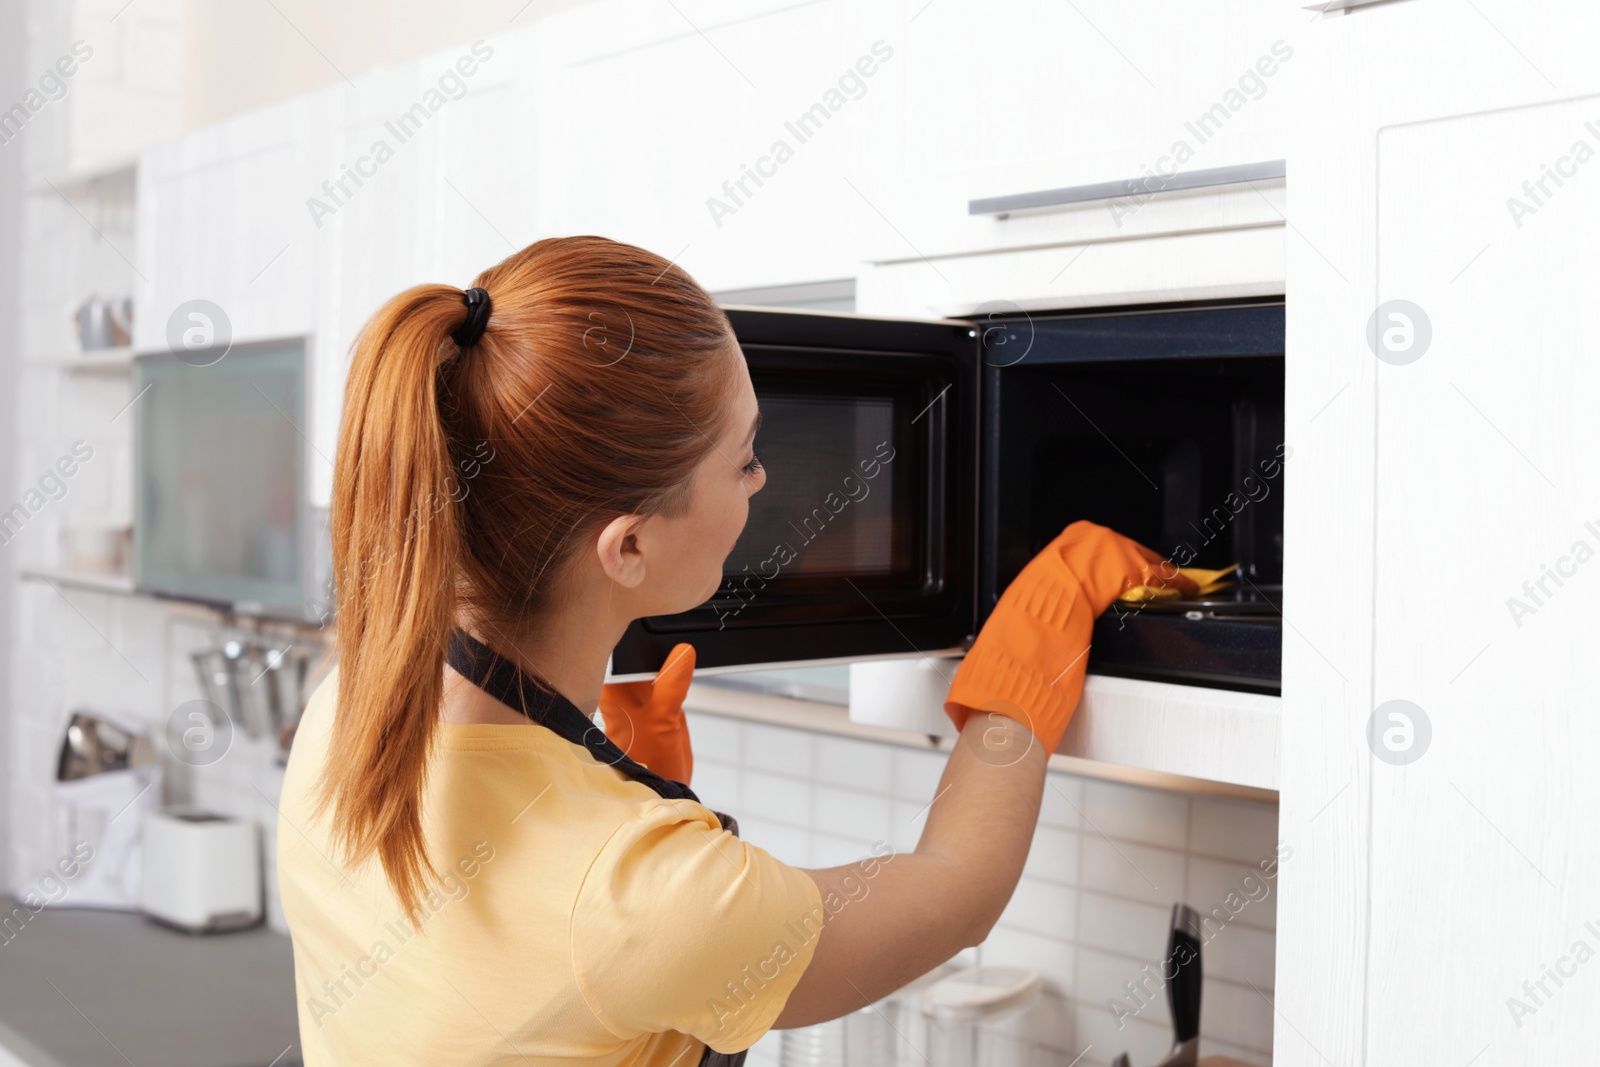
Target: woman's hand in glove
[(646, 719), (1029, 660)]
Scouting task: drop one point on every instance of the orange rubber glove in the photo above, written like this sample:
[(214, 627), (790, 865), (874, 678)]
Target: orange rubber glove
[(646, 719), (1029, 660)]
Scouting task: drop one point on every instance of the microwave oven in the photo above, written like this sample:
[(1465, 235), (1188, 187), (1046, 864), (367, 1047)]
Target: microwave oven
[(915, 466)]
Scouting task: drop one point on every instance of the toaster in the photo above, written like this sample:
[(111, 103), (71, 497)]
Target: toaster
[(201, 870)]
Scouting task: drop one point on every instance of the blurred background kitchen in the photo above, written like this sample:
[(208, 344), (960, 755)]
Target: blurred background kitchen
[(222, 185)]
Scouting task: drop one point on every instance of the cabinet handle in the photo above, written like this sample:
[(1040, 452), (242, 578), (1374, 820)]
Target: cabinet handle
[(1149, 183)]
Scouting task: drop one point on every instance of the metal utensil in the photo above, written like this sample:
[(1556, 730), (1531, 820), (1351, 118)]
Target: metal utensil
[(1183, 990), (257, 702), (218, 681), (286, 671), (91, 746)]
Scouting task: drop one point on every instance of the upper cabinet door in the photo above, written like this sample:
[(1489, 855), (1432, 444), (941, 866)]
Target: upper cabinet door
[(1441, 504), (723, 135), (862, 541), (1021, 96)]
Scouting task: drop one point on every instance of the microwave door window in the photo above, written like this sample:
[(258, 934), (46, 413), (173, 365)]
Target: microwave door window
[(827, 512)]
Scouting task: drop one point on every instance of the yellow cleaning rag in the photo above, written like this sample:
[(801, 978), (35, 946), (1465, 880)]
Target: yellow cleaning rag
[(1208, 581)]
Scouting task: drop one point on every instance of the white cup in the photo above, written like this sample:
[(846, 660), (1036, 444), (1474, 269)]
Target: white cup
[(97, 547)]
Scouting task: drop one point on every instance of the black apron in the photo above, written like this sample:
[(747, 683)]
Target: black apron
[(501, 679)]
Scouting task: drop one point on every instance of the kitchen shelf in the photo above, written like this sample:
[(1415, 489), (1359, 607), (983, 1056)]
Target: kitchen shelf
[(122, 171), (1151, 734), (1164, 730), (1187, 730), (100, 583), (95, 361)]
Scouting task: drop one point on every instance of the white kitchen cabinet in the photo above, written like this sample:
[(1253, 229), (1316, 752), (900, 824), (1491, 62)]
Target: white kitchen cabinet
[(637, 102), (223, 218), (1218, 264), (683, 129), (1022, 96), (1438, 528), (305, 216)]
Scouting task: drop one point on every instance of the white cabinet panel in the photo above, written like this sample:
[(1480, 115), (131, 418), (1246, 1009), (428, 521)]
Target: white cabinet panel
[(1025, 95), (1186, 266), (223, 218), (304, 217), (1422, 495), (1486, 449), (731, 147), (229, 214)]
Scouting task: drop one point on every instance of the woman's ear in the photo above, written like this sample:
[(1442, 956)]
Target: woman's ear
[(618, 549)]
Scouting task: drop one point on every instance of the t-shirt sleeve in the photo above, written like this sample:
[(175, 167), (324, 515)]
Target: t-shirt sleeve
[(680, 925)]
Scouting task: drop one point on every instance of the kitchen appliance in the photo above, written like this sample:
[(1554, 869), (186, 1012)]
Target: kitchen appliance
[(1183, 989), (202, 871), (103, 323), (107, 777), (914, 467), (963, 1009), (222, 511)]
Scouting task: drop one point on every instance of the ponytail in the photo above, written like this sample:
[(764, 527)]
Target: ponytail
[(601, 387), (396, 535)]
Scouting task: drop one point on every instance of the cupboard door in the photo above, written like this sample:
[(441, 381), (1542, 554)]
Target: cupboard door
[(1019, 96), (721, 135), (1437, 796)]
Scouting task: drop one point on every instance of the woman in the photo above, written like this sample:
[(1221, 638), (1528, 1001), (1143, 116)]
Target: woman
[(472, 872)]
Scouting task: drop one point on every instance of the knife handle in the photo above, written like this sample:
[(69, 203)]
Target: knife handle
[(1183, 991)]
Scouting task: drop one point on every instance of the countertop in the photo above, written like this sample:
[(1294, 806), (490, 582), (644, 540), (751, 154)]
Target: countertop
[(84, 987)]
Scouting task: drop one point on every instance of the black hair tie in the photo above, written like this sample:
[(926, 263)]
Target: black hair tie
[(469, 332)]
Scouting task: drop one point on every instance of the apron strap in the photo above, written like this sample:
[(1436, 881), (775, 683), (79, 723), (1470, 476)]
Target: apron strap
[(503, 680)]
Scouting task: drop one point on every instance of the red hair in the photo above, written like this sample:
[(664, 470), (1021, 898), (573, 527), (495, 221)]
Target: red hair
[(469, 481)]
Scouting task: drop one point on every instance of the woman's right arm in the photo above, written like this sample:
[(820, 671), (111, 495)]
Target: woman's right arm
[(904, 914), (1011, 698)]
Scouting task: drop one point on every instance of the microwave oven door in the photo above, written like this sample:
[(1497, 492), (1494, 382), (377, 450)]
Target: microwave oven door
[(862, 542)]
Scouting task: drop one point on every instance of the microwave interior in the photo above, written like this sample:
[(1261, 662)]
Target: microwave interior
[(1168, 427)]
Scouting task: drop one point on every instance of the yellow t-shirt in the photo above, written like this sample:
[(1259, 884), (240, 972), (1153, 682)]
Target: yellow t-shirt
[(579, 917)]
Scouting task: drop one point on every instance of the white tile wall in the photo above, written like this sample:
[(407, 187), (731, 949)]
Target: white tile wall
[(1107, 863)]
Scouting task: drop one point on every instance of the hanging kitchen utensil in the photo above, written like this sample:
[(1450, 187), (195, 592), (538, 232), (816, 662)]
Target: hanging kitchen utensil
[(250, 667), (287, 669), (219, 682)]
